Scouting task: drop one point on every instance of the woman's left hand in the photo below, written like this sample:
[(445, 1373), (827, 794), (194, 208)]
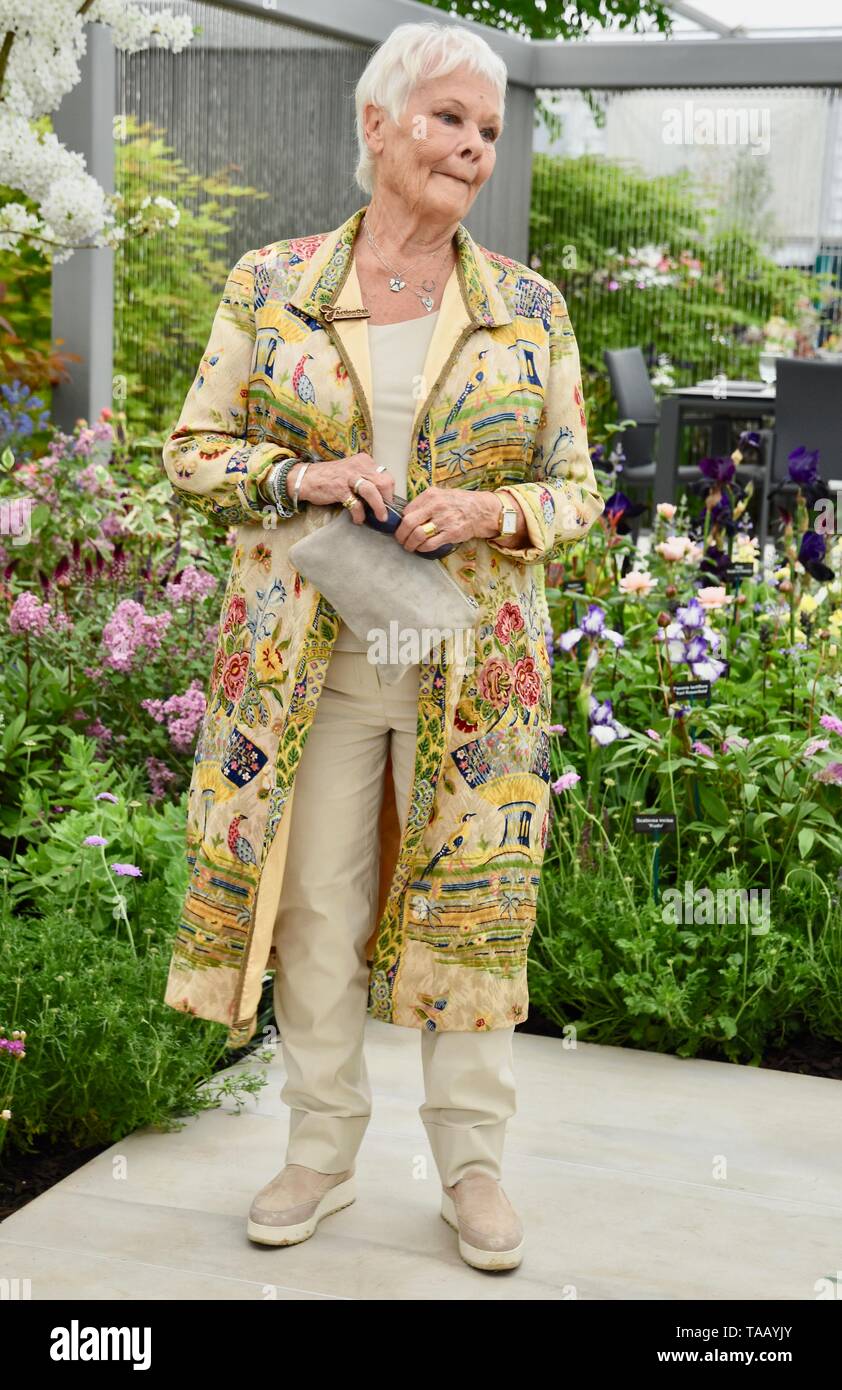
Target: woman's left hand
[(459, 515)]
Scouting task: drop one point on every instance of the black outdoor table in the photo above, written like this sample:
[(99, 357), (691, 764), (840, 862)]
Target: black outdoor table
[(701, 401)]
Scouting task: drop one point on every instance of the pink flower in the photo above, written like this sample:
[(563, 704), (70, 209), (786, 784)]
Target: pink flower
[(637, 582), (557, 729), (94, 840), (816, 745), (126, 870), (98, 731), (734, 741), (674, 549), (831, 773), (131, 631), (714, 597), (667, 510), (566, 781), (829, 721), (159, 776), (28, 614), (703, 749), (191, 584), (182, 713), (653, 734)]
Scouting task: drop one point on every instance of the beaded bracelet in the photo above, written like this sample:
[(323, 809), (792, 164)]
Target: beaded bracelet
[(276, 489)]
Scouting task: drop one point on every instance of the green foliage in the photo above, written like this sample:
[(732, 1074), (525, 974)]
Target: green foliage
[(587, 212), (569, 21), (104, 1055), (606, 963), (167, 290)]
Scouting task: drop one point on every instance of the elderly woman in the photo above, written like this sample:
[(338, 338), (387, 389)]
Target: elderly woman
[(380, 843)]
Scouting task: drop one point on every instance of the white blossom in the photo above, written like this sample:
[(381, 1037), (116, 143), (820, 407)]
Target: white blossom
[(42, 66)]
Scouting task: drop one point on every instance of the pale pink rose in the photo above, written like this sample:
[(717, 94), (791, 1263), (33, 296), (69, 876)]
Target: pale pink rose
[(637, 582), (714, 597), (675, 548), (667, 510)]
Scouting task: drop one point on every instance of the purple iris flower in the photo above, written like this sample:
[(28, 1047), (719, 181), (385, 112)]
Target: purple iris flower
[(593, 626), (719, 470), (604, 727), (692, 642), (715, 563), (811, 554), (749, 439), (803, 466)]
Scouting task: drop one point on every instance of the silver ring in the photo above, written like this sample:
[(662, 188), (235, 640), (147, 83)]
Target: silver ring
[(381, 469), (360, 479)]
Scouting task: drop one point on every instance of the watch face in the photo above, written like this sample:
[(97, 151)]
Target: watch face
[(509, 521)]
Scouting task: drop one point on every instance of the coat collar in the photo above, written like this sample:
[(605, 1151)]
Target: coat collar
[(328, 269), (471, 300)]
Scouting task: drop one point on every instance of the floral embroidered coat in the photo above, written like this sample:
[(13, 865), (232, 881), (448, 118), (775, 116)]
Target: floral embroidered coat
[(282, 376)]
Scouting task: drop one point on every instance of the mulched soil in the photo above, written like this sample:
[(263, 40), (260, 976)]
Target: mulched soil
[(24, 1176)]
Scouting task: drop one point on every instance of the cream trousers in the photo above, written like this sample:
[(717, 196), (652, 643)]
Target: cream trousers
[(325, 915)]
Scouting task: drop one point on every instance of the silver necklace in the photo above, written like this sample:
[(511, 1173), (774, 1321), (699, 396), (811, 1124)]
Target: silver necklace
[(397, 280)]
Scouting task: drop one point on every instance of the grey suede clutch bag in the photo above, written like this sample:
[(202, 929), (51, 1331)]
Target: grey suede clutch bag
[(372, 582)]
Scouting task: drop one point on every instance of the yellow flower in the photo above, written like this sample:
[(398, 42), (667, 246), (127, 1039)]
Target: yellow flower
[(808, 604), (835, 619)]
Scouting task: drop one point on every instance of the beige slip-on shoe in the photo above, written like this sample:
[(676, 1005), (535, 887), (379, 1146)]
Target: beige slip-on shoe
[(289, 1208), (490, 1230)]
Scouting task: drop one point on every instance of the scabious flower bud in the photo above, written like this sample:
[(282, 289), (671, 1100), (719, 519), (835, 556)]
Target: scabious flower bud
[(664, 619)]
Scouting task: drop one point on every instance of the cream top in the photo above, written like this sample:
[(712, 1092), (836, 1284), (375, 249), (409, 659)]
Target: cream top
[(398, 352)]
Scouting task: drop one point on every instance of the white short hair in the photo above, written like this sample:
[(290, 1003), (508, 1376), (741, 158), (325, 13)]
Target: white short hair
[(411, 54)]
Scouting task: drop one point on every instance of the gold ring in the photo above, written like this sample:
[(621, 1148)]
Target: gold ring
[(430, 528), (350, 500)]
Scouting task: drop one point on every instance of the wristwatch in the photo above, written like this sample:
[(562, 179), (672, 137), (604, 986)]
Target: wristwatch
[(508, 522)]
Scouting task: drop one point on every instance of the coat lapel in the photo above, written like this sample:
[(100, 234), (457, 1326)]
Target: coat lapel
[(471, 300)]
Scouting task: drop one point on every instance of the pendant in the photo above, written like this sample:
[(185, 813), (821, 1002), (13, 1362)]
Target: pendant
[(395, 283), (427, 302), (428, 286)]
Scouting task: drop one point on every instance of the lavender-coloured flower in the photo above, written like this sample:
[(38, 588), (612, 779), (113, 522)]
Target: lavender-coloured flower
[(126, 870), (830, 721), (604, 727), (557, 729), (593, 626), (94, 840), (106, 796), (703, 748), (831, 773), (691, 641), (815, 745), (565, 782)]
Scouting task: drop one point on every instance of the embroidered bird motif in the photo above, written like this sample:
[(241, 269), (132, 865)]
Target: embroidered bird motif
[(301, 383), (449, 847), (239, 846)]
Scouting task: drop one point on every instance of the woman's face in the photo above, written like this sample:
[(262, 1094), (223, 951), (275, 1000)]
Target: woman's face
[(443, 150)]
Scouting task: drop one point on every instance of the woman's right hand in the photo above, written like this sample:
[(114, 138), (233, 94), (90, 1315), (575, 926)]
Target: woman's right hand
[(329, 481)]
